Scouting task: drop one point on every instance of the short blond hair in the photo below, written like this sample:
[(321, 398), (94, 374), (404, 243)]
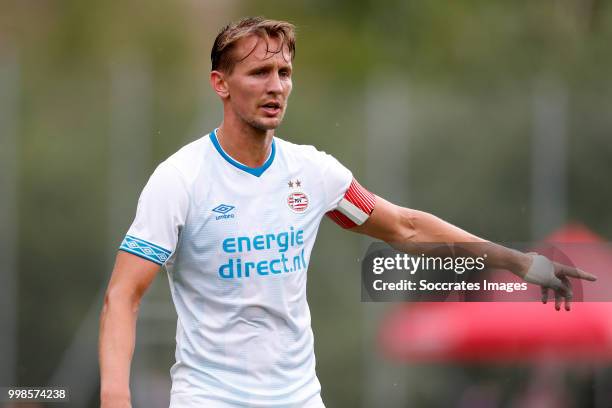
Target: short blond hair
[(221, 54)]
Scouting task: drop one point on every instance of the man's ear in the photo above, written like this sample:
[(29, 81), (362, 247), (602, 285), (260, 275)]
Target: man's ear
[(219, 84)]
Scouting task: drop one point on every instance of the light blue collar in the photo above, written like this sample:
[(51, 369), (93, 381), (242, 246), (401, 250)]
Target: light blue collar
[(256, 171)]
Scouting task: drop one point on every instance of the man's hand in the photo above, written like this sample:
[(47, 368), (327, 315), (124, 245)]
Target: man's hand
[(555, 276)]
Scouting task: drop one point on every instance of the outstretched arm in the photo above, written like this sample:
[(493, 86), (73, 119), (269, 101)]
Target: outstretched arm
[(130, 279), (408, 230)]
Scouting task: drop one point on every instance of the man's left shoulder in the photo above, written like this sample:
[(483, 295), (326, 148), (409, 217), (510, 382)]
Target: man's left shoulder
[(301, 151)]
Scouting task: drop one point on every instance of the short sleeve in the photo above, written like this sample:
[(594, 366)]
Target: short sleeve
[(162, 209), (348, 203), (355, 207), (336, 180)]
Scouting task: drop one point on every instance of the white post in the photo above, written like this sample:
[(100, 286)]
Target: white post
[(387, 140), (129, 142), (130, 152), (9, 120), (549, 158)]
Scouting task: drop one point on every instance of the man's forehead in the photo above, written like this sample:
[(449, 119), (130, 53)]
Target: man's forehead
[(256, 49)]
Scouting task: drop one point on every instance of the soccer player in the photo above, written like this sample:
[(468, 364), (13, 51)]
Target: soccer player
[(233, 218)]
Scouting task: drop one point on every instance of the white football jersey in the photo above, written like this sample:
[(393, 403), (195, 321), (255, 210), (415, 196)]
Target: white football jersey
[(236, 243)]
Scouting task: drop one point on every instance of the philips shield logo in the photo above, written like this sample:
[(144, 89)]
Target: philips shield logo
[(223, 209)]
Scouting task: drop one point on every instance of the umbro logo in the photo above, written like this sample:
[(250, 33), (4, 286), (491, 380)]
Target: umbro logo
[(224, 210)]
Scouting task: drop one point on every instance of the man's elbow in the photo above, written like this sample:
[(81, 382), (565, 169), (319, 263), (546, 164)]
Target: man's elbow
[(405, 227), (121, 298)]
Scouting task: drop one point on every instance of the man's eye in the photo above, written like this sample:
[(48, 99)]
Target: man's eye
[(259, 72), (285, 74)]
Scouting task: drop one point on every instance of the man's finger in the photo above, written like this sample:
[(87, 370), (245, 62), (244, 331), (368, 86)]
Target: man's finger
[(544, 294), (568, 301), (558, 299), (564, 270), (567, 294)]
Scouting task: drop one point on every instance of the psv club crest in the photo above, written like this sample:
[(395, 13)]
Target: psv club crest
[(297, 199)]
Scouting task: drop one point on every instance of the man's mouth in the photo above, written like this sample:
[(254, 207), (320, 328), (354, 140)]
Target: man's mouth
[(272, 108)]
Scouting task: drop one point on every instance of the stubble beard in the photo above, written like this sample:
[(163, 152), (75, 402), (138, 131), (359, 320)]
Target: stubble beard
[(261, 125)]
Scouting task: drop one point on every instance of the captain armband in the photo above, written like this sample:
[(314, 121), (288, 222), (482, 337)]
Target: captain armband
[(354, 208)]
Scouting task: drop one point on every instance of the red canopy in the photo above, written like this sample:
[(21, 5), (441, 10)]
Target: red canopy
[(511, 331), (497, 332)]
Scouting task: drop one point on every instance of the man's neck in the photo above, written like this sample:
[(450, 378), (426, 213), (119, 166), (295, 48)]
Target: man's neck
[(245, 144)]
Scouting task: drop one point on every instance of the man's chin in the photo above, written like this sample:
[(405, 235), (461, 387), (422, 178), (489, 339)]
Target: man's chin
[(266, 124)]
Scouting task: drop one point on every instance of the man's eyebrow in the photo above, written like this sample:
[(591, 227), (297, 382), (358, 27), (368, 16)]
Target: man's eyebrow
[(259, 67), (267, 66)]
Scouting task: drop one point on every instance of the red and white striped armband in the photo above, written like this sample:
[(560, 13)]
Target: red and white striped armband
[(354, 208)]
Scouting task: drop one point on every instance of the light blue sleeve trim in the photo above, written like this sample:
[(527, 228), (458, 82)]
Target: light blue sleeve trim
[(145, 249), (255, 171)]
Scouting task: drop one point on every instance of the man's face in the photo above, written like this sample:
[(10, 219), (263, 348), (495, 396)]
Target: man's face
[(260, 84)]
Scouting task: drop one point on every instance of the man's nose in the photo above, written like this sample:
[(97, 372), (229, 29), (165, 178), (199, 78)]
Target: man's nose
[(274, 83)]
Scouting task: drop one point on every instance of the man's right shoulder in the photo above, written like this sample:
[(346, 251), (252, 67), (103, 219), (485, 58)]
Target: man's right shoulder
[(188, 159)]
